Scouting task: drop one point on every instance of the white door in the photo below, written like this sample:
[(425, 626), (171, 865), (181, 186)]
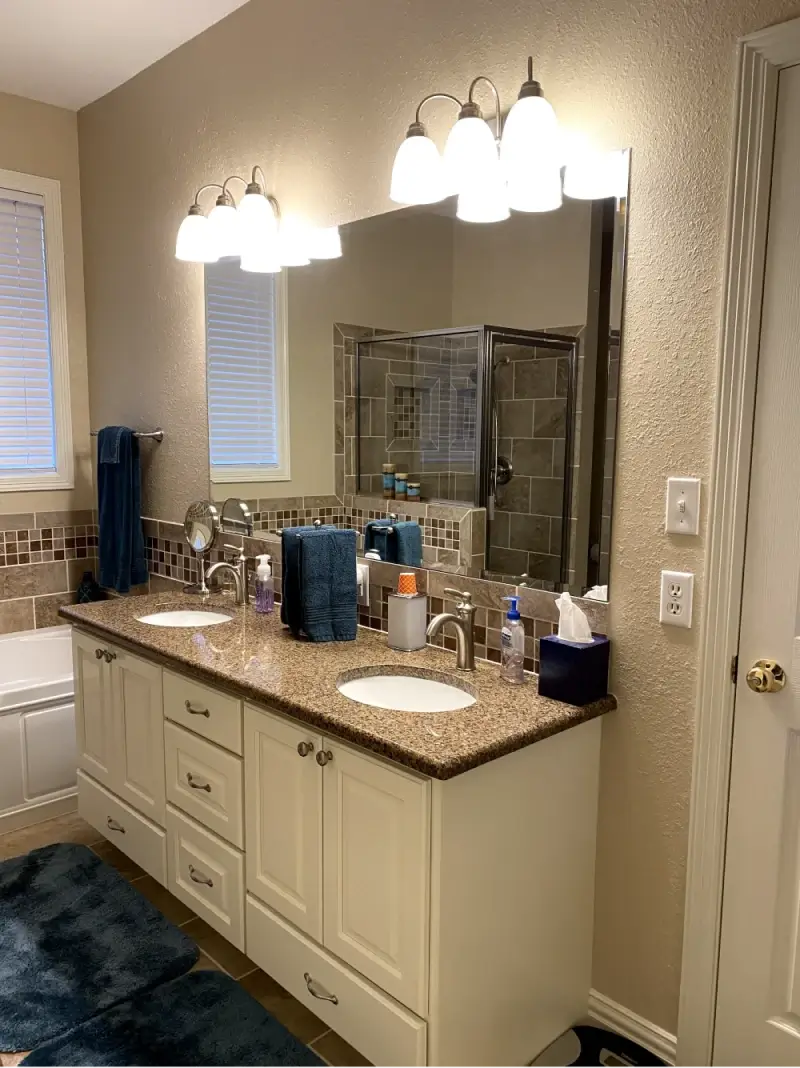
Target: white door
[(376, 871), (93, 717), (758, 1008), (283, 811), (139, 725)]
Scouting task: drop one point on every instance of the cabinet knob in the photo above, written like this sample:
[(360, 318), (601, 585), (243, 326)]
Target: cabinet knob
[(197, 785), (109, 656), (113, 825), (195, 711), (98, 654), (317, 990), (324, 756), (304, 748), (199, 877)]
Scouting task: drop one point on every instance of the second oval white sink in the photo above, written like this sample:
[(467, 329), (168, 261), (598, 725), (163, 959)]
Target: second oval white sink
[(185, 618), (406, 693)]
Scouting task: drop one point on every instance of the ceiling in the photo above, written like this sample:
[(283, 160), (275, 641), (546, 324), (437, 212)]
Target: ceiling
[(70, 52)]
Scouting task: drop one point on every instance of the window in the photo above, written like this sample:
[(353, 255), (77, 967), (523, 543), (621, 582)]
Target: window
[(248, 415), (35, 428)]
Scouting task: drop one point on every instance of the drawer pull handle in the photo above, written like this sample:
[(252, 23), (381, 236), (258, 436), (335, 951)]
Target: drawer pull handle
[(316, 990), (324, 756), (198, 877), (109, 656), (98, 654), (197, 785), (196, 711), (304, 748), (113, 825)]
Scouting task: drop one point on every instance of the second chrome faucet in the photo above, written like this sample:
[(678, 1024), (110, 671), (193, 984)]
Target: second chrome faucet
[(463, 619)]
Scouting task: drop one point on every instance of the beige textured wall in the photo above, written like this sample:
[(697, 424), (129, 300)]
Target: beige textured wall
[(43, 140), (320, 94)]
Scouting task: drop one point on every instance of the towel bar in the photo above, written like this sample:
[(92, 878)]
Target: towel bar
[(156, 435)]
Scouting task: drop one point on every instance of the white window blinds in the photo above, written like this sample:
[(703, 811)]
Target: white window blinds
[(245, 373), (27, 425)]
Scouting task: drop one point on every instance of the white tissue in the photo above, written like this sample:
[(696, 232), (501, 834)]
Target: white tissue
[(573, 626)]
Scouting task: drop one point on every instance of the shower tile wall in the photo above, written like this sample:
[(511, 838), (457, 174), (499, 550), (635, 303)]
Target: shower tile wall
[(531, 390)]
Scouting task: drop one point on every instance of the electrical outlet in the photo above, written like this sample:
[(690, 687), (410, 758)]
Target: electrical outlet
[(677, 589)]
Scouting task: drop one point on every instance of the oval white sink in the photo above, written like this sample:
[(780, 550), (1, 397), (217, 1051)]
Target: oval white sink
[(406, 693), (184, 619)]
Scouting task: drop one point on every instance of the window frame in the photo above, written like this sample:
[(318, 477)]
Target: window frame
[(63, 477), (261, 472)]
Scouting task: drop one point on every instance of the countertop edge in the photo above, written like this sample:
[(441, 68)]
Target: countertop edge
[(410, 759)]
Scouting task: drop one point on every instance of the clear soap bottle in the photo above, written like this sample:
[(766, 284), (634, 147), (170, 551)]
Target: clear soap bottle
[(512, 645), (265, 586)]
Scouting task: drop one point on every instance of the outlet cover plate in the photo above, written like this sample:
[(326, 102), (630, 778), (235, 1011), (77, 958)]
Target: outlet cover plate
[(677, 592), (683, 506)]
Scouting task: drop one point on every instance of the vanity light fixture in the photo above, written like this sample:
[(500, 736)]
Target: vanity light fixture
[(254, 231)]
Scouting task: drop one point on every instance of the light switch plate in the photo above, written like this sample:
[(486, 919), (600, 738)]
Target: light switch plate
[(683, 506), (677, 590)]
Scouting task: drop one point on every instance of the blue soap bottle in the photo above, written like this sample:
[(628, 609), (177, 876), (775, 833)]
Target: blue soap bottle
[(512, 645)]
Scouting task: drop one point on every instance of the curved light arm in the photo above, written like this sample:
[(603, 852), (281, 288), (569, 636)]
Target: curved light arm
[(498, 120), (230, 178), (202, 189), (436, 96)]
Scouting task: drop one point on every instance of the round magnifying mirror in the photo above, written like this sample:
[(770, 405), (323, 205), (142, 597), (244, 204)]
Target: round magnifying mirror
[(201, 525), (237, 517)]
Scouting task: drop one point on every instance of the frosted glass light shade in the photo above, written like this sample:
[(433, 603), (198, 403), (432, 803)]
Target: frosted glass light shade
[(535, 189), (484, 199), (294, 238), (193, 242), (530, 137), (469, 152), (223, 229), (596, 175), (325, 243), (261, 261), (418, 175), (256, 217)]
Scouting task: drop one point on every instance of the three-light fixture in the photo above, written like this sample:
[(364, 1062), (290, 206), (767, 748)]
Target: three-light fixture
[(255, 231), (516, 165)]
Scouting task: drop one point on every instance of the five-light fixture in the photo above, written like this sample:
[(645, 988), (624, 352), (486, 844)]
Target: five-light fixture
[(517, 165), (254, 230)]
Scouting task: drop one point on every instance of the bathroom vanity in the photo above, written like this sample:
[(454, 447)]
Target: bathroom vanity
[(422, 882)]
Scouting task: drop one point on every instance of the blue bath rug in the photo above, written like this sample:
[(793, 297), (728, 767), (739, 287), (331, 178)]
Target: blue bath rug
[(201, 1018), (75, 938)]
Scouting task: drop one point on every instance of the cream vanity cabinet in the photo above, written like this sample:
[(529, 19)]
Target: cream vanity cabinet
[(426, 921)]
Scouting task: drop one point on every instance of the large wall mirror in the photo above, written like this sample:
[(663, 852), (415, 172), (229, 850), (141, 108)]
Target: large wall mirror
[(479, 360)]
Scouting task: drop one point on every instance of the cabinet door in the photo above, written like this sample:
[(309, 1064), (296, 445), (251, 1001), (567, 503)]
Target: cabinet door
[(283, 812), (376, 864), (93, 715), (139, 723)]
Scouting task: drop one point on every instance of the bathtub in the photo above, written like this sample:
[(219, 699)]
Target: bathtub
[(37, 726)]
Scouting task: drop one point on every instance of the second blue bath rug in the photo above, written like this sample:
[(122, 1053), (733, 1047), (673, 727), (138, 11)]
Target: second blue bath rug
[(75, 938)]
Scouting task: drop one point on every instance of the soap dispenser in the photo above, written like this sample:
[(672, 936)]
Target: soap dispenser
[(512, 645), (265, 586)]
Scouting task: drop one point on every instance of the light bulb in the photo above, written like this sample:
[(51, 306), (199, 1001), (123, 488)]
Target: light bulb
[(484, 199), (193, 241), (469, 151), (223, 228), (535, 189), (293, 242), (418, 173), (325, 243)]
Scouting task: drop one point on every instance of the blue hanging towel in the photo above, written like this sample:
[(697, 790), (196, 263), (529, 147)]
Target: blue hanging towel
[(405, 545), (119, 492), (328, 586), (291, 601), (374, 538)]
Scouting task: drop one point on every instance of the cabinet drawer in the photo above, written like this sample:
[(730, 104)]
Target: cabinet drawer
[(377, 1026), (205, 711), (136, 836), (207, 875), (204, 781)]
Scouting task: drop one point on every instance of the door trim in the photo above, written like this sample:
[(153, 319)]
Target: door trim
[(761, 56)]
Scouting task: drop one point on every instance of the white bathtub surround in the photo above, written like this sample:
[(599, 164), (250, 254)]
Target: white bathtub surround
[(37, 727)]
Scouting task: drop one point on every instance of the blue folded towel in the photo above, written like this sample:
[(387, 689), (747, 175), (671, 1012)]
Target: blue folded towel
[(291, 601), (328, 588), (119, 498), (406, 544), (373, 538)]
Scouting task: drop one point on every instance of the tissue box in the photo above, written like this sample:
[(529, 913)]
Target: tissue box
[(577, 674)]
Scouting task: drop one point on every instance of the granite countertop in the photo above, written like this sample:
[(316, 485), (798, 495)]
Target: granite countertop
[(256, 658)]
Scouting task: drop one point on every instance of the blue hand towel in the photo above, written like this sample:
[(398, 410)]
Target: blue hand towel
[(119, 492), (328, 587), (405, 545), (373, 538), (291, 599)]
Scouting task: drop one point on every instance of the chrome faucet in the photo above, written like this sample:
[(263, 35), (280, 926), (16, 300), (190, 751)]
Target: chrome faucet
[(464, 621), (238, 570)]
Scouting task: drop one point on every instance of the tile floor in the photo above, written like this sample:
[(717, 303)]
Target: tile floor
[(215, 951)]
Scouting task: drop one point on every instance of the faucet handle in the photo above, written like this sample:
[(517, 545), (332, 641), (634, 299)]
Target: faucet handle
[(464, 597), (234, 549)]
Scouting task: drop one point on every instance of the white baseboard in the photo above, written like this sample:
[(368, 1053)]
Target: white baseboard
[(617, 1018), (28, 815)]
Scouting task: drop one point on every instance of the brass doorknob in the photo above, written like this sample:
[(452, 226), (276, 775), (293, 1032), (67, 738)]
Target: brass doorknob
[(766, 676)]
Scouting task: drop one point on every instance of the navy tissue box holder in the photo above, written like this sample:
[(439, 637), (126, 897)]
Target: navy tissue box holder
[(577, 674)]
